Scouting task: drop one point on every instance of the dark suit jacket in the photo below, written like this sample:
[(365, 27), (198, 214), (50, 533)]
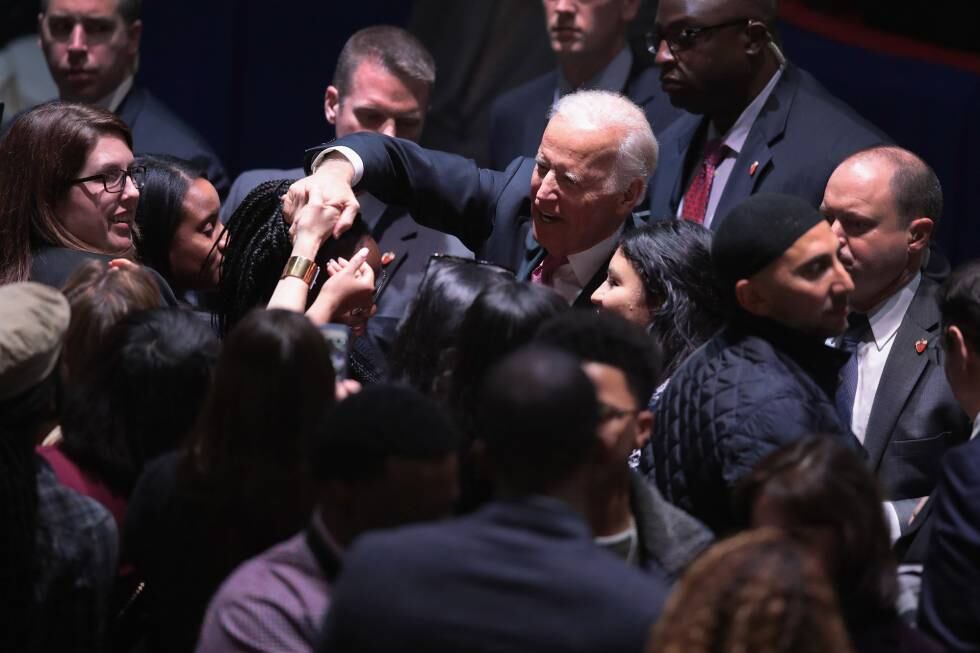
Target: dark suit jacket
[(518, 575), (519, 116), (157, 130), (949, 609), (489, 211), (799, 138), (914, 418)]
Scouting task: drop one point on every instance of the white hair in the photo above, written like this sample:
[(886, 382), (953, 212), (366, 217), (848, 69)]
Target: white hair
[(638, 149)]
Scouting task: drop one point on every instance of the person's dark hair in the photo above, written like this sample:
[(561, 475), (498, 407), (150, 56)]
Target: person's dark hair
[(431, 325), (673, 259), (757, 591), (379, 423), (501, 319), (44, 149), (258, 247), (143, 393), (99, 297), (538, 416), (21, 418), (611, 340), (960, 304), (160, 209), (914, 186), (394, 48), (818, 483), (129, 10)]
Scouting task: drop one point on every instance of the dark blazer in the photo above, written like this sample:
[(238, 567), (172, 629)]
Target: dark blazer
[(519, 116), (519, 575), (799, 138), (489, 211), (915, 417), (949, 609), (157, 130)]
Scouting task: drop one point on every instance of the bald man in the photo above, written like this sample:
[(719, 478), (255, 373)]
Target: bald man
[(758, 122)]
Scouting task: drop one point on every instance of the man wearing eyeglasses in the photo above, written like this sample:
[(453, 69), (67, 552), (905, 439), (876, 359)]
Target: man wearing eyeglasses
[(588, 38), (92, 48), (759, 123)]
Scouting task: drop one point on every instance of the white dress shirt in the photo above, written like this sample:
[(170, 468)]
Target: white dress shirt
[(569, 279), (734, 139)]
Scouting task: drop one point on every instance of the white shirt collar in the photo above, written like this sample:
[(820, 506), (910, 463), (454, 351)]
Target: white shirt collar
[(739, 132), (112, 101), (611, 78), (586, 264), (976, 426), (888, 316)]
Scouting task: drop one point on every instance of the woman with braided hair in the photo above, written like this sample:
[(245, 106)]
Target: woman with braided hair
[(756, 592)]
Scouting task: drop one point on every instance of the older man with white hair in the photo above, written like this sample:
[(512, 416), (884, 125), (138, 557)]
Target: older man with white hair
[(554, 219)]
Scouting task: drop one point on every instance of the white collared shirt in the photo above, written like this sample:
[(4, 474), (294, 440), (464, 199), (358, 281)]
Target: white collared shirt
[(734, 139), (873, 354), (569, 279), (976, 427), (112, 101)]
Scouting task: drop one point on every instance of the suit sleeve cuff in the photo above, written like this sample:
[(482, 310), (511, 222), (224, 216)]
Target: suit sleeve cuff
[(347, 153), (891, 518)]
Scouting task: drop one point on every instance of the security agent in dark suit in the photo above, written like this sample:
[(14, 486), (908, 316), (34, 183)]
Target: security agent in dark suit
[(883, 204), (589, 42), (589, 174), (521, 573), (92, 54), (950, 604), (762, 124)]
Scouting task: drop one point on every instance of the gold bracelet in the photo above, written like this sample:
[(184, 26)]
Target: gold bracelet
[(301, 268)]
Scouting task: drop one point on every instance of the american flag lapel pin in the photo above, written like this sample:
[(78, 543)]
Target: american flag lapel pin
[(920, 346), (753, 168)]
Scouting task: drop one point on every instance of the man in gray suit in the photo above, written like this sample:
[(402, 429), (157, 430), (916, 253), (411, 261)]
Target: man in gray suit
[(883, 204), (381, 84)]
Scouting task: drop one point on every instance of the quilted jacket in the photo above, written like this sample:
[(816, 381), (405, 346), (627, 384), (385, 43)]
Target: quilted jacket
[(749, 390)]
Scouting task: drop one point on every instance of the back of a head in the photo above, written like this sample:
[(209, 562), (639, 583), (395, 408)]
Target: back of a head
[(431, 325), (42, 152), (758, 592), (397, 50), (537, 416), (960, 303), (803, 486), (146, 387), (611, 340), (100, 296)]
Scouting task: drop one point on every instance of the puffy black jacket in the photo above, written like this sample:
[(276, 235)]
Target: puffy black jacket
[(749, 390)]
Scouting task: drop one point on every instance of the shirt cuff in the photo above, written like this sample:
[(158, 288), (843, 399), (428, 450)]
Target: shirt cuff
[(349, 154), (891, 517)]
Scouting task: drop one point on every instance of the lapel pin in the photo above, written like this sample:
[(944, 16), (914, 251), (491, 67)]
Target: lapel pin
[(920, 346), (753, 168), (387, 258)]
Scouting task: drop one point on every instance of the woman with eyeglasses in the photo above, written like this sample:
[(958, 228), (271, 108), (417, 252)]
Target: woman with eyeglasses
[(68, 193)]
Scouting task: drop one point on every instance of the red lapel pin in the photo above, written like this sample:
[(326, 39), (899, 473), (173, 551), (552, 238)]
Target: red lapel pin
[(387, 258), (920, 346), (753, 168)]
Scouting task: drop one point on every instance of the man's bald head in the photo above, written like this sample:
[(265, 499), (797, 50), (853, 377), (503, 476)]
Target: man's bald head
[(914, 186)]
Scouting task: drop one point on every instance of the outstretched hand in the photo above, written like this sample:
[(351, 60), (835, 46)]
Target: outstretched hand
[(347, 296), (324, 203)]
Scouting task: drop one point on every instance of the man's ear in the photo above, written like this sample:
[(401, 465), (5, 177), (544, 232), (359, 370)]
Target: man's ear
[(749, 296), (331, 104), (134, 32), (644, 427), (955, 346), (759, 37), (919, 232), (633, 194)]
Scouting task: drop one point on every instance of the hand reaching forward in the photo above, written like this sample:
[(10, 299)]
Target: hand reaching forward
[(347, 296), (324, 203)]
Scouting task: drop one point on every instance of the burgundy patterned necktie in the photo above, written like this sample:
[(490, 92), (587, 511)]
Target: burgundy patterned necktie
[(545, 270), (696, 197)]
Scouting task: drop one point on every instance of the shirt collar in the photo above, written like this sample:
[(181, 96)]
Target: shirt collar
[(738, 133), (586, 264), (976, 427), (112, 101), (888, 316), (611, 78)]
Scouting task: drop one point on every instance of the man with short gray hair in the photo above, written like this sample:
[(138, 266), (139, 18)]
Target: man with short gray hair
[(561, 233)]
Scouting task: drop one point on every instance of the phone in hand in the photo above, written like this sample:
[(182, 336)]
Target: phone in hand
[(339, 339)]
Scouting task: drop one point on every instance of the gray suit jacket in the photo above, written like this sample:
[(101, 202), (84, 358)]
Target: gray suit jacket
[(914, 418)]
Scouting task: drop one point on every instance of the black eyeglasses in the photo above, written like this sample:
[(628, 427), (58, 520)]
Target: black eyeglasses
[(115, 180), (608, 413), (684, 38), (439, 258)]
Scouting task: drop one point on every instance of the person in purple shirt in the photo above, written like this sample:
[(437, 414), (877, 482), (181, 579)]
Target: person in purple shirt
[(387, 456)]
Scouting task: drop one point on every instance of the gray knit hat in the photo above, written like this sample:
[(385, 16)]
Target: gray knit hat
[(33, 322)]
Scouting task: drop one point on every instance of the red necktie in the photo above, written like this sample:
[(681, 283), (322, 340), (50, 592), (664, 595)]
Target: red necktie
[(546, 269), (696, 197)]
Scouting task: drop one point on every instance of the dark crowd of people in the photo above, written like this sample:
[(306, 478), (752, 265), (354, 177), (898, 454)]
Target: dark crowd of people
[(684, 373)]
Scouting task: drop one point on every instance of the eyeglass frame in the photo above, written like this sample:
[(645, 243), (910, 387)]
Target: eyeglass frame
[(608, 412), (691, 36), (123, 174)]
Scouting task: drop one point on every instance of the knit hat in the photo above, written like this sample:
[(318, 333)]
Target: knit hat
[(758, 231), (33, 322)]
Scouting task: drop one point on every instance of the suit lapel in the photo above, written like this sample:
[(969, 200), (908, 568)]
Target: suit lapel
[(533, 255), (902, 370), (674, 160)]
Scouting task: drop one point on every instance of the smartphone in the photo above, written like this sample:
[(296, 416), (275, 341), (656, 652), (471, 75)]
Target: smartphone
[(339, 339)]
